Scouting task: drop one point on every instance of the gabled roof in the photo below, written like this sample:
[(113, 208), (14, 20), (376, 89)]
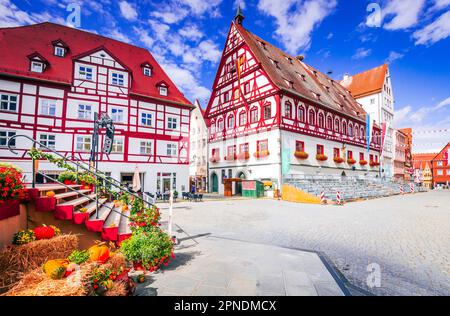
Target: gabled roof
[(439, 156), (290, 74), (22, 41), (367, 82), (421, 159)]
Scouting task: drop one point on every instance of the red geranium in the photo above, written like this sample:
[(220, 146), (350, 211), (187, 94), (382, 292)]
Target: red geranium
[(11, 184)]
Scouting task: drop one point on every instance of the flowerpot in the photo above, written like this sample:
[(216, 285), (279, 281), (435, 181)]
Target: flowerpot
[(9, 208)]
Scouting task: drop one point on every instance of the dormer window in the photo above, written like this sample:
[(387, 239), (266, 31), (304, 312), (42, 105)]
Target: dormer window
[(147, 71), (60, 51), (163, 88), (163, 91), (37, 66)]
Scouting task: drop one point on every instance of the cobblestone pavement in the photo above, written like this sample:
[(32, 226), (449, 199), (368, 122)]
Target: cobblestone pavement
[(407, 236)]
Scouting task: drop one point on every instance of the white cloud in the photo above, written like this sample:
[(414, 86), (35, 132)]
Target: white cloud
[(11, 15), (401, 115), (128, 11), (442, 104), (118, 35), (191, 32), (144, 37), (242, 3), (440, 4), (296, 20), (393, 56), (210, 51), (201, 6), (362, 53), (175, 11), (404, 13), (435, 31)]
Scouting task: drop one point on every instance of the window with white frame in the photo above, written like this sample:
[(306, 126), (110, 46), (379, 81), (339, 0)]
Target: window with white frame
[(117, 115), (117, 79), (85, 72), (8, 102), (146, 148), (163, 90), (37, 66), (83, 143), (48, 107), (146, 119), (60, 51), (4, 138), (440, 172), (147, 71), (117, 146), (84, 111), (172, 123), (172, 150), (48, 140)]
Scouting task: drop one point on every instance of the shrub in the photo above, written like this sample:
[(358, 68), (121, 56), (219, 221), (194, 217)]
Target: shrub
[(68, 177), (148, 250), (144, 218), (11, 185)]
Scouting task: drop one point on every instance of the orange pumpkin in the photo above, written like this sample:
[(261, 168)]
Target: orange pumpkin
[(99, 253), (50, 194), (124, 208)]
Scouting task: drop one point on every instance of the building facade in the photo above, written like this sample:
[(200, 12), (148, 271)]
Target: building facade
[(271, 116), (400, 155), (373, 90), (441, 167), (409, 170), (53, 79), (198, 168), (423, 173)]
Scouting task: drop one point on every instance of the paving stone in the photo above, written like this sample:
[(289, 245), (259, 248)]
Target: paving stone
[(328, 289), (205, 290)]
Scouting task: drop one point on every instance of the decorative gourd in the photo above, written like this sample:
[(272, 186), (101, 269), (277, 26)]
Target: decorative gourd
[(44, 232), (55, 269), (50, 194), (124, 208), (141, 278), (99, 253), (83, 210)]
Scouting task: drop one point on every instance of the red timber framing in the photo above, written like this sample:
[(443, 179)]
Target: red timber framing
[(263, 91), (102, 95)]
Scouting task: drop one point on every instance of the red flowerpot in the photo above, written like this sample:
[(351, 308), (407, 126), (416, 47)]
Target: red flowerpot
[(9, 209)]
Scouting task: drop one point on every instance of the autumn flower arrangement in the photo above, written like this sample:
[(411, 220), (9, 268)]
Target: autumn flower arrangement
[(351, 161), (261, 154), (214, 158), (363, 162), (42, 232), (374, 163), (338, 159), (321, 157), (230, 157), (301, 155), (244, 155)]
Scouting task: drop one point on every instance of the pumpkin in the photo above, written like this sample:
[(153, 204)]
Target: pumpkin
[(141, 278), (83, 210), (44, 232), (86, 187), (50, 194), (99, 253), (55, 269), (124, 208)]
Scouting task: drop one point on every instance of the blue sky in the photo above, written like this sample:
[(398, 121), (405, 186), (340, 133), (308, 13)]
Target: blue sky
[(342, 36)]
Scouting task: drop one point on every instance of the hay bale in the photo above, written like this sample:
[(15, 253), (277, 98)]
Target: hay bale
[(16, 261)]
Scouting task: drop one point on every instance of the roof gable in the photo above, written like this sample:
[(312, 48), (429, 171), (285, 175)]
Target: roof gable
[(367, 82)]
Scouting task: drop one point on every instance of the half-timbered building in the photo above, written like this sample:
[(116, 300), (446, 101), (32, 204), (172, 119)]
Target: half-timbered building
[(271, 115), (54, 78)]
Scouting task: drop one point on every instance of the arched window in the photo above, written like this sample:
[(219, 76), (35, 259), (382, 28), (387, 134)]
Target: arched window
[(356, 131), (288, 109), (213, 127), (344, 127), (321, 120), (312, 117), (336, 125), (301, 114), (220, 125), (254, 115), (230, 122), (329, 123), (363, 135), (242, 118), (350, 130), (236, 94)]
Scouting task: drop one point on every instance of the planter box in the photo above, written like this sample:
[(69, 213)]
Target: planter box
[(9, 209)]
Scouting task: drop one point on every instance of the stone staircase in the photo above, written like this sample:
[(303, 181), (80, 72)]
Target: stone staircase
[(76, 204), (350, 188)]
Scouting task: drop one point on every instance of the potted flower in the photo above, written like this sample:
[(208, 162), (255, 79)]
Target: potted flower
[(261, 154), (230, 157), (244, 156), (301, 155), (351, 161), (321, 157), (363, 162), (68, 177), (338, 159), (12, 190), (214, 158), (374, 163)]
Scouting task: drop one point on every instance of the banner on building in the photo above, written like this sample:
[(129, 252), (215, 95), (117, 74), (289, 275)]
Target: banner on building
[(285, 161), (384, 129), (368, 131)]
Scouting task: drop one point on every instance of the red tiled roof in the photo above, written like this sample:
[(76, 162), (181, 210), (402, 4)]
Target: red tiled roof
[(367, 82), (19, 42), (421, 159), (287, 73)]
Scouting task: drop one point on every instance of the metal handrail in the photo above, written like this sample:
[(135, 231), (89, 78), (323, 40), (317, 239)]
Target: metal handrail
[(88, 169), (83, 195)]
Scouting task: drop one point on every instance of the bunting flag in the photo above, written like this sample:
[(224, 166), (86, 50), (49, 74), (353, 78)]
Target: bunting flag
[(368, 131), (384, 129)]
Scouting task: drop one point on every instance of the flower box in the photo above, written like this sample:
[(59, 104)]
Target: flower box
[(244, 156), (9, 209), (214, 159), (230, 157), (363, 162), (351, 161), (261, 154), (321, 157), (374, 164), (338, 159), (301, 155)]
